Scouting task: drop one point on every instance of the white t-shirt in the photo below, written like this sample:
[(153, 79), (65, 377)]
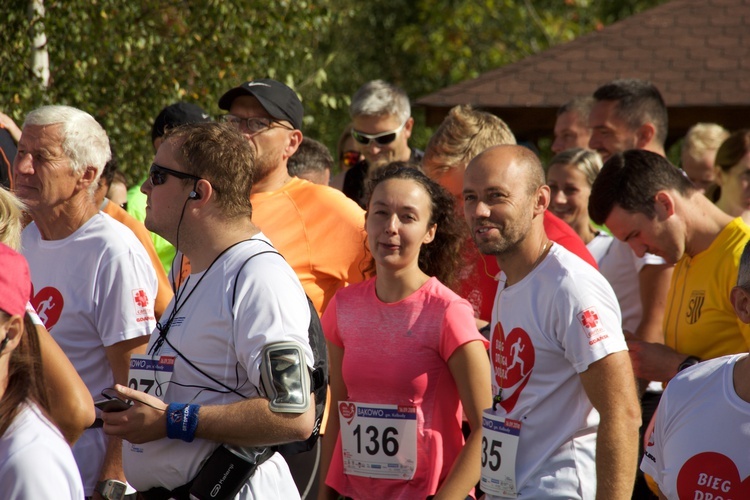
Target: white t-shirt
[(559, 319), (226, 343), (700, 446), (35, 460), (620, 265), (91, 290)]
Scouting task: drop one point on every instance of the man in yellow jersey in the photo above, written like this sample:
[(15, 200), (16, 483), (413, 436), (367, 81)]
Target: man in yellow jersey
[(647, 202)]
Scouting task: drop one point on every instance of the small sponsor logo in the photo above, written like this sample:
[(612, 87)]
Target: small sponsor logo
[(697, 298), (140, 298), (592, 325), (348, 411)]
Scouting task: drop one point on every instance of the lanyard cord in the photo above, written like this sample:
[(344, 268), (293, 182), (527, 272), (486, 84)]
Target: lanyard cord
[(164, 328), (177, 246), (498, 398)]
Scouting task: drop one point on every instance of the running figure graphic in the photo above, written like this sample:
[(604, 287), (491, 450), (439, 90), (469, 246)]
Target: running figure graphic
[(515, 350), (43, 307)]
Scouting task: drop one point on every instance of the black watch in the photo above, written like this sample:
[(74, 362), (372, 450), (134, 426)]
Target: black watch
[(111, 489), (688, 362)]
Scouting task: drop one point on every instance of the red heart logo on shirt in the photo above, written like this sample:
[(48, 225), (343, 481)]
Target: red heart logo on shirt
[(711, 475), (48, 304), (512, 363), (347, 411)]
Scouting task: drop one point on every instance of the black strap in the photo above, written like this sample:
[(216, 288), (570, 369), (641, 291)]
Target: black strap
[(183, 492), (316, 376), (236, 276), (234, 293)]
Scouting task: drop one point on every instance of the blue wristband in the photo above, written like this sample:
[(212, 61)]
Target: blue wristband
[(182, 420)]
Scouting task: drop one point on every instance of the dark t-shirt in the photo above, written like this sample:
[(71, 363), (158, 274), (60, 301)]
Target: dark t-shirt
[(354, 180), (7, 155)]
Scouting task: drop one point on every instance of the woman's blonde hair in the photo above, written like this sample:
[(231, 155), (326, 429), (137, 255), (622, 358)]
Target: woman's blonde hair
[(11, 225), (587, 161)]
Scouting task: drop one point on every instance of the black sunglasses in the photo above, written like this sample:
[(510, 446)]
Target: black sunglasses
[(158, 175)]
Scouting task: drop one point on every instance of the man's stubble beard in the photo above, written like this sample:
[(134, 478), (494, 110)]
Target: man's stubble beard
[(264, 165), (511, 235), (499, 248)]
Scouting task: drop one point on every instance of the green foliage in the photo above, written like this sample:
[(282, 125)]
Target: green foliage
[(124, 61), (425, 45)]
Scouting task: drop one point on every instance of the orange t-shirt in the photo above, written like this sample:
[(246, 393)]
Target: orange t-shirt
[(319, 231)]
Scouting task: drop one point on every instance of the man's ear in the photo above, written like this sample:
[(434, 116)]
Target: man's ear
[(408, 127), (295, 139), (741, 303), (664, 204), (542, 199), (204, 191), (644, 135), (87, 178)]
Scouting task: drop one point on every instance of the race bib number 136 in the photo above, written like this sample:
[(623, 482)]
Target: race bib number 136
[(379, 441)]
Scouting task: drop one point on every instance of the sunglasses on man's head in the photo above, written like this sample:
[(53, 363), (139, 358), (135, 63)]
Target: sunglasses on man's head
[(158, 175), (382, 139)]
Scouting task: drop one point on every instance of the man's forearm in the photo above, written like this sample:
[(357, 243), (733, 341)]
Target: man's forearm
[(616, 456), (112, 465), (251, 423)]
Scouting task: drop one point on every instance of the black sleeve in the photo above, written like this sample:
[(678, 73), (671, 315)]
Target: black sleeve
[(354, 183), (7, 155)]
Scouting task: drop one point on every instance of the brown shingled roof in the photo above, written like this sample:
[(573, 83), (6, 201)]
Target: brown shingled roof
[(697, 52)]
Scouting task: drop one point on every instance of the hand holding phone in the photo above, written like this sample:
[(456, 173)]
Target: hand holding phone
[(114, 401)]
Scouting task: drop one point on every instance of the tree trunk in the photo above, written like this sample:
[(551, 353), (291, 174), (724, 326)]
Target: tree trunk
[(39, 55)]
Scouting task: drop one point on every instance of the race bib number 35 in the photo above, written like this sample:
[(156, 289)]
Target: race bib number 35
[(149, 375), (499, 448), (379, 441)]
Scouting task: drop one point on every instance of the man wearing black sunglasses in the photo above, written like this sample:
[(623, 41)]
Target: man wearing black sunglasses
[(174, 115), (234, 338), (381, 127)]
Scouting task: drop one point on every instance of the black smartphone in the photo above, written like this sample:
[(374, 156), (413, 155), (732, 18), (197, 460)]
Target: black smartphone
[(113, 405), (114, 401)]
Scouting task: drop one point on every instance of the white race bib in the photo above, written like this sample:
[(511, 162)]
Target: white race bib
[(150, 375), (499, 448), (379, 441)]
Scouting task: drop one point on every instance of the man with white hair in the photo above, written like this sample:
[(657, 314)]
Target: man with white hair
[(90, 274), (381, 127)]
